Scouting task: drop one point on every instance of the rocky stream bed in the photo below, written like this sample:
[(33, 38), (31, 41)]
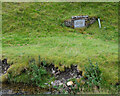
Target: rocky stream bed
[(61, 79)]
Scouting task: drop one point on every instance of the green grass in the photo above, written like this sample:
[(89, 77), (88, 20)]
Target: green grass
[(33, 29)]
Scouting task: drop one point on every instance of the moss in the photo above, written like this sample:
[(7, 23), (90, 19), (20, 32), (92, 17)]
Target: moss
[(4, 78), (23, 78), (16, 69)]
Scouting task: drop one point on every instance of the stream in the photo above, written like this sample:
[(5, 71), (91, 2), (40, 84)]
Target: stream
[(17, 88), (21, 89)]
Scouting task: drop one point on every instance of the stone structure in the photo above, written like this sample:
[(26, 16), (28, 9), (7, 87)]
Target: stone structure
[(80, 21)]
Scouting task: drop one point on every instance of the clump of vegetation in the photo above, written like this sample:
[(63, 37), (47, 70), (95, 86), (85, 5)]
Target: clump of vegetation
[(92, 79), (35, 74), (93, 75), (38, 74), (91, 82)]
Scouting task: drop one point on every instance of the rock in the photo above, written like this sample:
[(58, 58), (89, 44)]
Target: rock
[(46, 83), (96, 89), (69, 72), (70, 83), (53, 71), (69, 23), (60, 84), (56, 83), (4, 61), (52, 82), (4, 65), (79, 73)]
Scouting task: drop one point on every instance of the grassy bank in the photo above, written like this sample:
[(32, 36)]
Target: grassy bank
[(33, 29)]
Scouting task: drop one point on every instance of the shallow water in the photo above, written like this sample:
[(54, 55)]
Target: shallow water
[(22, 89)]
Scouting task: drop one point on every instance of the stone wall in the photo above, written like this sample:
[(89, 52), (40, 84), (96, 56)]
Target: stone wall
[(88, 20)]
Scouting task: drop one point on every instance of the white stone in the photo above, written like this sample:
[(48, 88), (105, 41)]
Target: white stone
[(69, 83), (51, 82)]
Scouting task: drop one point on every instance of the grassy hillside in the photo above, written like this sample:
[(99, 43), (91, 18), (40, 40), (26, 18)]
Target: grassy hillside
[(32, 29)]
